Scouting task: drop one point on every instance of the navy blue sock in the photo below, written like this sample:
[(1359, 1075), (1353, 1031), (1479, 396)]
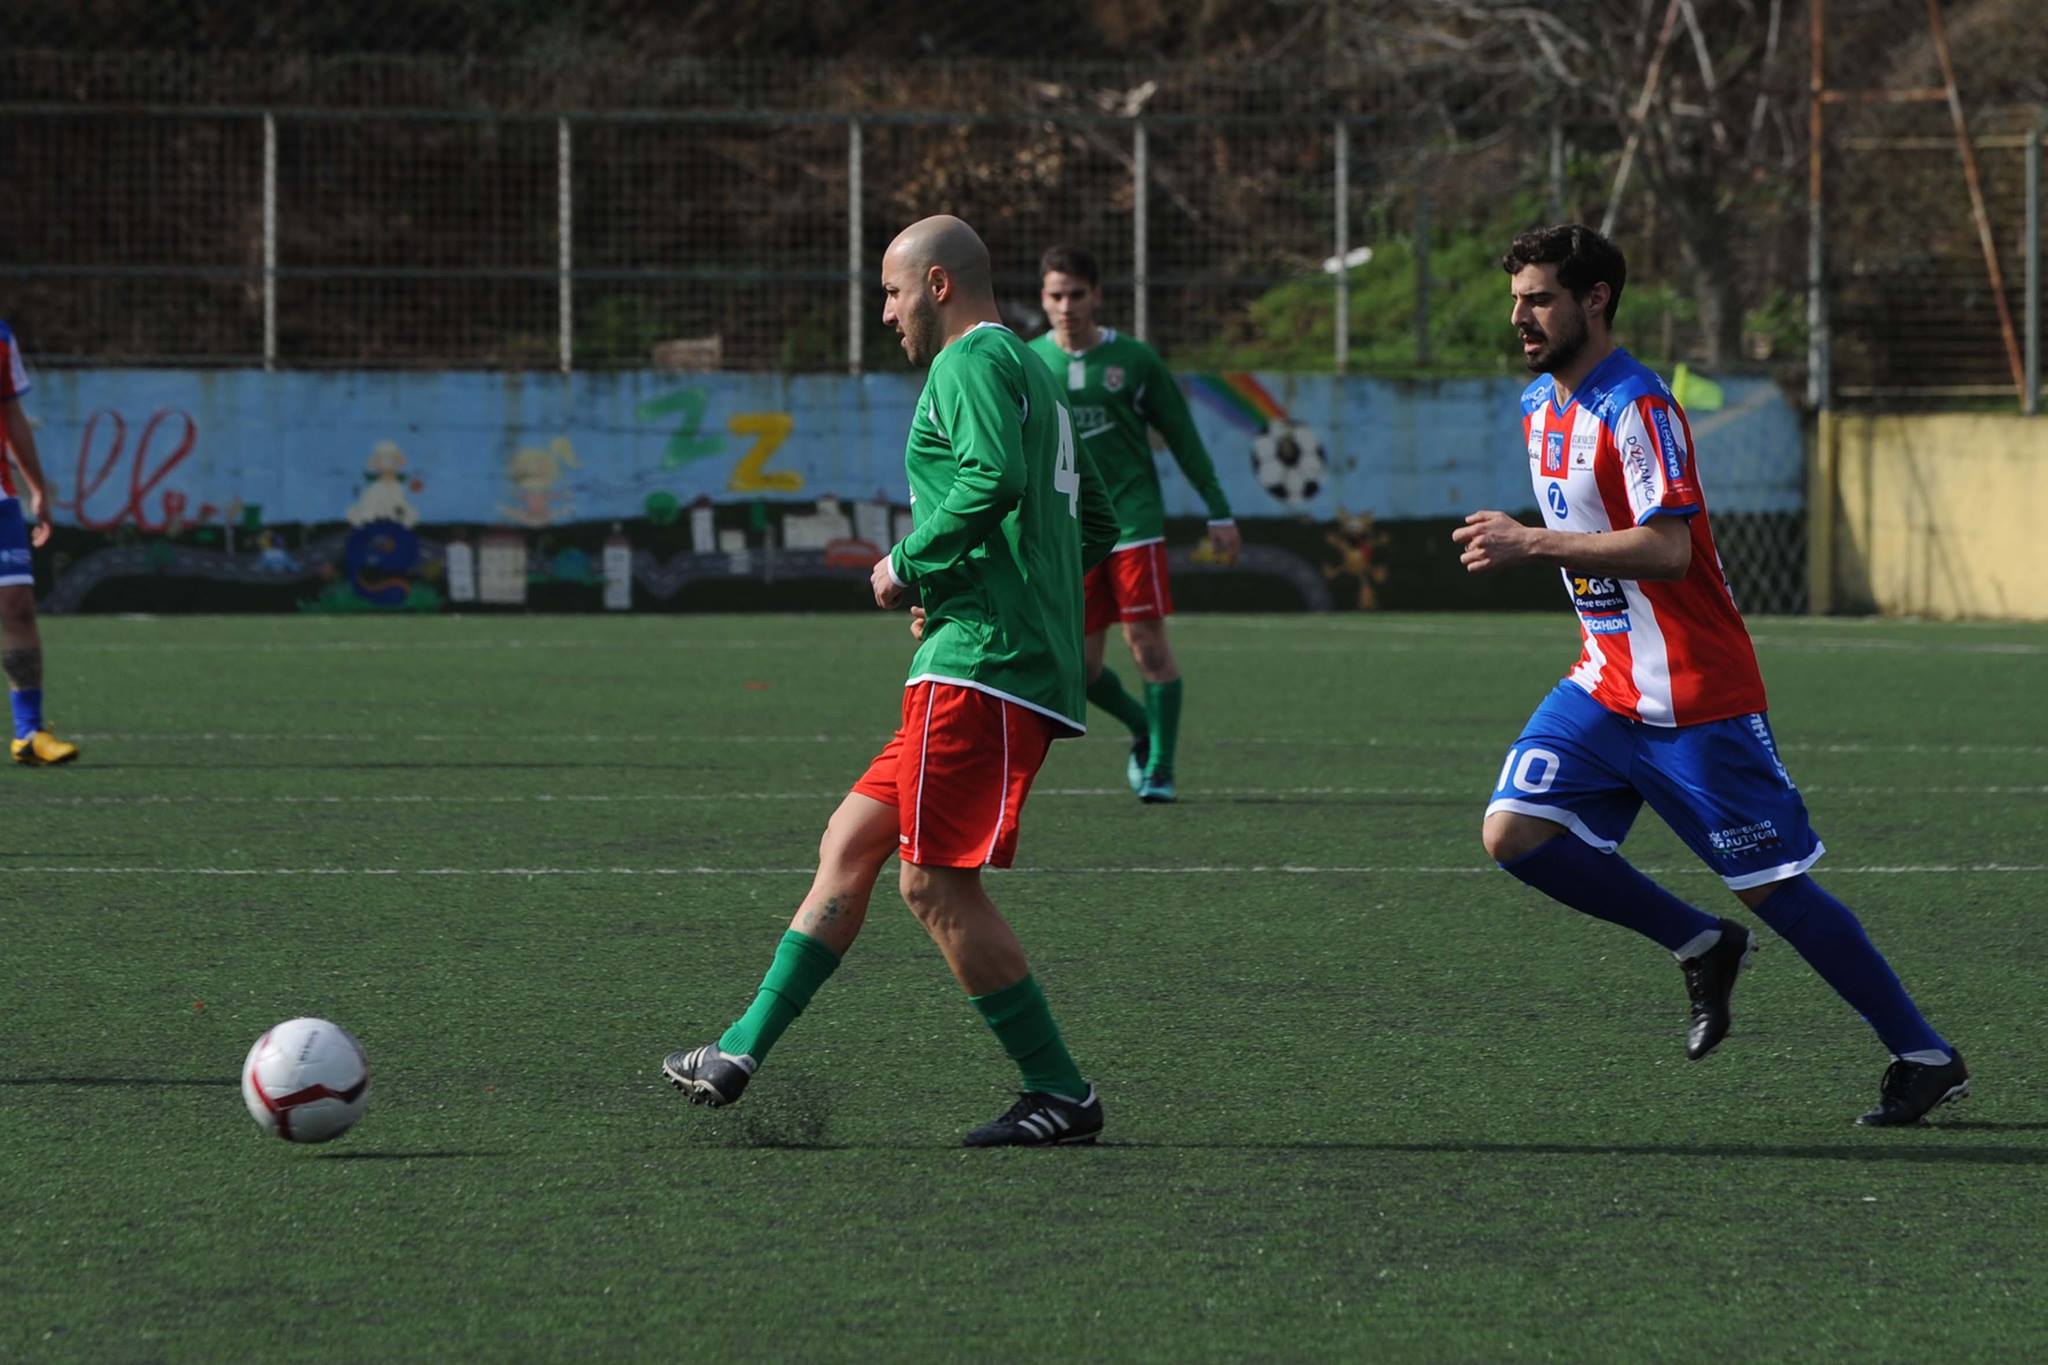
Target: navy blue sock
[(1831, 939), (28, 712), (1604, 886)]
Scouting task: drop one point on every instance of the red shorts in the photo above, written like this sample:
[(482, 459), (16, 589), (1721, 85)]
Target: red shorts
[(957, 772), (1128, 586)]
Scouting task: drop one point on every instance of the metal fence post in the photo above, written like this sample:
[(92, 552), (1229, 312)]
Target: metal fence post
[(269, 241), (1343, 243), (565, 223), (1556, 171), (1141, 275), (2031, 400), (1422, 266), (855, 196)]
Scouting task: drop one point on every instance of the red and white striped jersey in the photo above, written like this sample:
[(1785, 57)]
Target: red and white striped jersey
[(1619, 453), (14, 382)]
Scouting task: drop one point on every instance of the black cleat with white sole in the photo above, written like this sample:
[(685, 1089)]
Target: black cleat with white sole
[(1709, 982), (1041, 1120), (709, 1076), (1910, 1090)]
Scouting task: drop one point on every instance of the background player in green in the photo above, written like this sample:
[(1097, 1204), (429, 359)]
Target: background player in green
[(1007, 514), (1119, 388)]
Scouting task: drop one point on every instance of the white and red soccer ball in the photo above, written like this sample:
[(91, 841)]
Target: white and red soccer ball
[(306, 1080)]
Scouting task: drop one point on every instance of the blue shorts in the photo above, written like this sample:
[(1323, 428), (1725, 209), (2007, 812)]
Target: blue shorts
[(1719, 785), (15, 567)]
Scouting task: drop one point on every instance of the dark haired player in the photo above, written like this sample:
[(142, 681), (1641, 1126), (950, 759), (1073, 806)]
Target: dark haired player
[(1665, 705), (1118, 387)]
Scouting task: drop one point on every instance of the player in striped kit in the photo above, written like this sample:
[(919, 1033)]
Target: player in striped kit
[(21, 640), (1665, 705)]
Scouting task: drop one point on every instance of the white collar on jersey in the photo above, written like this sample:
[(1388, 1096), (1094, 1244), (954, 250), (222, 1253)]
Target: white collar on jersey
[(1108, 335)]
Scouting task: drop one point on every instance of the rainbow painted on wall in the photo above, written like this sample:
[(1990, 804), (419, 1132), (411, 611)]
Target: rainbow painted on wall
[(1238, 398)]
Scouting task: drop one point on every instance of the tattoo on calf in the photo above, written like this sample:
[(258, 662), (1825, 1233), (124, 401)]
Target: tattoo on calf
[(24, 668)]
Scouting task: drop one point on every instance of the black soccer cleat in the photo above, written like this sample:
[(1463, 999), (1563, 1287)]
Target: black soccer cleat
[(709, 1076), (1709, 982), (1041, 1120), (1910, 1090)]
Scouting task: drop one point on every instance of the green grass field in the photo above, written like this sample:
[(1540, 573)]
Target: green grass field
[(1368, 1098)]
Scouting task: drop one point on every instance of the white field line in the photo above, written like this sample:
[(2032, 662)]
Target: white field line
[(1332, 636), (716, 798), (371, 739), (1207, 870)]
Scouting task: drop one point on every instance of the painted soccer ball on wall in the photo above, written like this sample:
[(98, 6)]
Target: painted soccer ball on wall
[(306, 1080), (1287, 460)]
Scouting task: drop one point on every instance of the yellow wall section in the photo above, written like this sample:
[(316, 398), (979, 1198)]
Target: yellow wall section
[(1939, 515)]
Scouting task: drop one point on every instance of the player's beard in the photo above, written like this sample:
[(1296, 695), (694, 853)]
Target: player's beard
[(1560, 348), (922, 336)]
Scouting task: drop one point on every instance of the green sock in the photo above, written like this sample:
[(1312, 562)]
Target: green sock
[(1024, 1025), (800, 967), (1107, 693), (1162, 708)]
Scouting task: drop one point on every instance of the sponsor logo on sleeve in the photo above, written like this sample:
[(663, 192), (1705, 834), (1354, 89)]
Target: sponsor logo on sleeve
[(1640, 472), (1667, 440), (1553, 455)]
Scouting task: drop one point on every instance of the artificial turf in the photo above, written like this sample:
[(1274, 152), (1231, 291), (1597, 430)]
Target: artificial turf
[(1367, 1097)]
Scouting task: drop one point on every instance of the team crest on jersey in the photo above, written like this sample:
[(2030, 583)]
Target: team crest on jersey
[(1553, 455), (1113, 377)]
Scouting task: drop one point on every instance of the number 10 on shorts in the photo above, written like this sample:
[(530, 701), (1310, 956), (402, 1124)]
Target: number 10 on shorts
[(1530, 770)]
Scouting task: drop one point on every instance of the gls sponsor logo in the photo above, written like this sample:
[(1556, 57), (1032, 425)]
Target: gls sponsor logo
[(1674, 462)]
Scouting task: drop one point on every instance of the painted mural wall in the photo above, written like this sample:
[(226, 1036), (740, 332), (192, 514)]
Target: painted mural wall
[(225, 490)]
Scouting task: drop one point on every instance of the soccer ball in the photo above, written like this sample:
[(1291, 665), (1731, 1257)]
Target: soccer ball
[(306, 1080), (1287, 460)]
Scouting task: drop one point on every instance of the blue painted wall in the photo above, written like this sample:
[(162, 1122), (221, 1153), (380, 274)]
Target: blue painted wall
[(151, 449)]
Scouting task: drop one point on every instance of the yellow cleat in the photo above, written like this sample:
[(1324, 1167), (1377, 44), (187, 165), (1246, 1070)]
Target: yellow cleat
[(43, 749)]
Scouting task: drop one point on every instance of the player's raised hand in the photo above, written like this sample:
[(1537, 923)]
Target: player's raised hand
[(888, 592), (1493, 540), (917, 624), (1226, 541)]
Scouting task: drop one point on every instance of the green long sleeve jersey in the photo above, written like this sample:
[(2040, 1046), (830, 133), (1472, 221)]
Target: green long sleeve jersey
[(1007, 514), (1117, 388)]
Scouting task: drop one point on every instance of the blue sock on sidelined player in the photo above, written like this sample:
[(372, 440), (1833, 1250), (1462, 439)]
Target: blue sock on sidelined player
[(1604, 886), (1831, 939), (28, 712)]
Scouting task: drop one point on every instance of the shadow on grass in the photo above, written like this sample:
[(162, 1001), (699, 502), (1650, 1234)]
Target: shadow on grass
[(407, 1156), (1878, 1149), (136, 1082)]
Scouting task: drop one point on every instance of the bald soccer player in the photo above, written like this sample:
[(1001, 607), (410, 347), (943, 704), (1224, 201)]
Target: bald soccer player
[(1007, 515)]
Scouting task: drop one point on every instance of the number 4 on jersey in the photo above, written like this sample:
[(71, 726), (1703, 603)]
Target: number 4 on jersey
[(1066, 474)]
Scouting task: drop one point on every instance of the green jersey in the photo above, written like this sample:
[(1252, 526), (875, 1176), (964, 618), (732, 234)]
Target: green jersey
[(1007, 513), (1118, 387)]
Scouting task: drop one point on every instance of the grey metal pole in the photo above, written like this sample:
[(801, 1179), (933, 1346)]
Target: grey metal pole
[(855, 196), (565, 222), (1141, 275), (1343, 236), (2031, 400), (1422, 266), (1556, 171), (269, 241)]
